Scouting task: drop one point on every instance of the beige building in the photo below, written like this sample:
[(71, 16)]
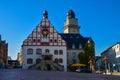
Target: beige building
[(19, 58)]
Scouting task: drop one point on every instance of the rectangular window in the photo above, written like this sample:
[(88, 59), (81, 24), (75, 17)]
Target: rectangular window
[(61, 52), (30, 51), (38, 51)]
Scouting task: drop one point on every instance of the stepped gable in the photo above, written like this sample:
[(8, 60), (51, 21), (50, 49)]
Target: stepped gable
[(44, 34)]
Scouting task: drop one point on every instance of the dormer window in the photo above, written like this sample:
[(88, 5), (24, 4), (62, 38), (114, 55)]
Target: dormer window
[(80, 46), (73, 46)]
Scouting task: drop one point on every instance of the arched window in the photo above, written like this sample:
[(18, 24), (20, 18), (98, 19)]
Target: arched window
[(47, 50), (61, 52), (60, 60), (30, 51), (56, 60), (56, 52), (29, 61), (38, 60), (38, 51)]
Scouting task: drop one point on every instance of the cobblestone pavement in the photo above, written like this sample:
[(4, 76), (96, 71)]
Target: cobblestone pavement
[(18, 74)]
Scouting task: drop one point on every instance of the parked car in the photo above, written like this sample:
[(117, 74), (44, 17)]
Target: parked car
[(98, 72), (83, 70)]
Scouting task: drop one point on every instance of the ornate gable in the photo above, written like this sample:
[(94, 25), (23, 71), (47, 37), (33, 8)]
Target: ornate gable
[(44, 35)]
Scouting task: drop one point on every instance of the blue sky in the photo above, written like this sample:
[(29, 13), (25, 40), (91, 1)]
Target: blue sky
[(97, 18)]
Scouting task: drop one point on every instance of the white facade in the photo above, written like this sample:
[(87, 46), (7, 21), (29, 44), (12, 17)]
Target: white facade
[(35, 56)]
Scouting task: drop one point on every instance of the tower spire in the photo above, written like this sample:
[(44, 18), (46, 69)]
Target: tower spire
[(45, 14)]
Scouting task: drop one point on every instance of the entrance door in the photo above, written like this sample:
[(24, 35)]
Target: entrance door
[(48, 67)]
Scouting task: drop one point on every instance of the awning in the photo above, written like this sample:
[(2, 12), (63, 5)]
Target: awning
[(78, 65)]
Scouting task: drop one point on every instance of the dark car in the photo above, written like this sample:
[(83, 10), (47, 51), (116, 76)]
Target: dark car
[(83, 70)]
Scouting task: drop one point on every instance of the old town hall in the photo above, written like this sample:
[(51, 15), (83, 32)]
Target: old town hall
[(47, 49)]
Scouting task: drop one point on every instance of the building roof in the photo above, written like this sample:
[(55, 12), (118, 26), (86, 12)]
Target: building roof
[(109, 48), (71, 14), (74, 39)]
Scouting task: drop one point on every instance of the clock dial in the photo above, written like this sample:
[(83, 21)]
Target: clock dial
[(45, 32)]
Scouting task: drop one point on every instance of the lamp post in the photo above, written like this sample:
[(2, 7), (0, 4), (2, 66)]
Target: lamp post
[(105, 60)]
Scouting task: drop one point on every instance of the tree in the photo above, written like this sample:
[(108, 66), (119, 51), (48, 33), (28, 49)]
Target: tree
[(88, 55), (81, 57)]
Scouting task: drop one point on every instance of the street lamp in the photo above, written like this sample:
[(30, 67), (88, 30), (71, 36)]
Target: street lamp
[(105, 59)]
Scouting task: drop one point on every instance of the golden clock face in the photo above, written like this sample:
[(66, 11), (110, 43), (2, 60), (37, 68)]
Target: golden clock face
[(45, 32)]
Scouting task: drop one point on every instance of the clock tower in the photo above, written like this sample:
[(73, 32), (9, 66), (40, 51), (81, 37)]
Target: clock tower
[(71, 23)]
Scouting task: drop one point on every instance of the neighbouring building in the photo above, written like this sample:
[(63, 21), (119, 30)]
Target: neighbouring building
[(98, 62), (112, 55), (47, 49), (19, 58), (3, 52), (75, 41)]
